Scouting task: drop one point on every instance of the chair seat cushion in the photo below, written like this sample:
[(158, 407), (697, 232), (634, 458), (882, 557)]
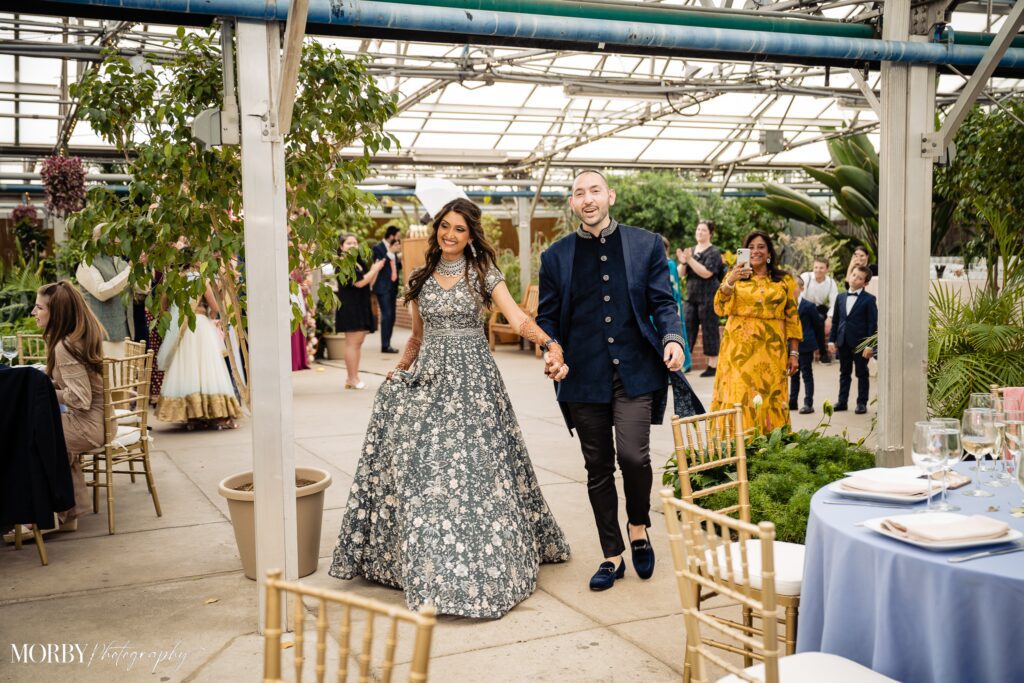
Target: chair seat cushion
[(126, 436), (125, 416), (789, 565), (815, 667)]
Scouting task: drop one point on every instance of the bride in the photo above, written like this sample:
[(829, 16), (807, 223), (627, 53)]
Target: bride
[(445, 504)]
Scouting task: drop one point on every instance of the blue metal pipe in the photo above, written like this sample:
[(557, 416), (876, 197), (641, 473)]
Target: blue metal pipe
[(588, 33)]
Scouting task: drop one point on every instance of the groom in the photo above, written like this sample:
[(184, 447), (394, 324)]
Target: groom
[(605, 296)]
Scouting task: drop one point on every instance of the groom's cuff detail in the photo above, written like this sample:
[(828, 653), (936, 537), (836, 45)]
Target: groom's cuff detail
[(669, 338)]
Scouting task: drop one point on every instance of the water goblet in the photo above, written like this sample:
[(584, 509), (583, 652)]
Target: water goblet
[(9, 348), (929, 453), (978, 436), (949, 429), (984, 401), (1015, 447), (999, 451)]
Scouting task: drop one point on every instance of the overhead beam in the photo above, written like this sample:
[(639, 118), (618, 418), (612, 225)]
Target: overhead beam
[(295, 31)]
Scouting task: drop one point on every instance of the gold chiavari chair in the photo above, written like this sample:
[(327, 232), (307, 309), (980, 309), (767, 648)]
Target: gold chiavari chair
[(423, 622), (37, 536), (705, 557), (715, 441), (31, 348), (126, 435)]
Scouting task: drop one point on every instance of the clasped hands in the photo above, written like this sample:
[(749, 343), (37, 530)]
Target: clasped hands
[(554, 364)]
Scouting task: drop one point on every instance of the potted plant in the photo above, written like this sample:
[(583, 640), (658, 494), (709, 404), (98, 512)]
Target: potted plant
[(310, 484)]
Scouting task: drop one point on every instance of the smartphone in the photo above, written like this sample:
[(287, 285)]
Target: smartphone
[(742, 256)]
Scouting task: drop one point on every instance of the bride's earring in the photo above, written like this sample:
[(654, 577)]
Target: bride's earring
[(472, 250), (768, 260)]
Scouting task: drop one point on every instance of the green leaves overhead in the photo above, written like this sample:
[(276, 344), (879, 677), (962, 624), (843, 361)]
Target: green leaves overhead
[(179, 189)]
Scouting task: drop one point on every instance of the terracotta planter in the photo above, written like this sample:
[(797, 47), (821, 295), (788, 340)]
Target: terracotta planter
[(334, 344), (309, 506)]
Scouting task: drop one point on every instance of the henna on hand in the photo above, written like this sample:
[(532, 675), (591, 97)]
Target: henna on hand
[(412, 352)]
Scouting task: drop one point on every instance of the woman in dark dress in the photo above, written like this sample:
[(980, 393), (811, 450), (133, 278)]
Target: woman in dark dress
[(355, 315), (703, 268)]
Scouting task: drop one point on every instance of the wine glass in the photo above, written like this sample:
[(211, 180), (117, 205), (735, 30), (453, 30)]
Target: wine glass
[(1015, 446), (978, 436), (9, 345), (929, 453), (999, 451), (987, 402), (949, 429)]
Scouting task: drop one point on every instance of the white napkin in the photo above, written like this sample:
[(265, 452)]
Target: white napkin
[(896, 487), (920, 528)]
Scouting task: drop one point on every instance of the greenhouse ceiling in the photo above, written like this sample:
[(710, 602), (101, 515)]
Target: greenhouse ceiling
[(491, 114)]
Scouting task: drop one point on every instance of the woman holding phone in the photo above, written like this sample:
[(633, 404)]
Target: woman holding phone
[(759, 348), (703, 267)]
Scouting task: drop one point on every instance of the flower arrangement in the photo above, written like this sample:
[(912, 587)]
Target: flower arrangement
[(64, 182), (24, 213)]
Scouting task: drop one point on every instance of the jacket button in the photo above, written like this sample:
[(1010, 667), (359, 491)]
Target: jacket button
[(602, 240), (603, 257), (607, 298), (611, 340), (615, 361), (607, 318), (605, 278)]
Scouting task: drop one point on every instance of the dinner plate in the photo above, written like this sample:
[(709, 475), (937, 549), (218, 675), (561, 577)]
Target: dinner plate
[(836, 487), (941, 518)]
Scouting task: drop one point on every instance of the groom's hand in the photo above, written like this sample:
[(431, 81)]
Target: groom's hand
[(555, 369), (674, 356)]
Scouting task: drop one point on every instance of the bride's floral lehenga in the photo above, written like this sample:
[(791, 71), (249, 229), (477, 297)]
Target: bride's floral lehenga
[(445, 504)]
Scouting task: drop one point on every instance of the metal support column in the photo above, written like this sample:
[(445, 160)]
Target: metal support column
[(266, 274), (908, 106), (524, 215)]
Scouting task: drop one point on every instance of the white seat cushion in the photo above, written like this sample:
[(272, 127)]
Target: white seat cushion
[(815, 667), (125, 416), (789, 565), (126, 436)]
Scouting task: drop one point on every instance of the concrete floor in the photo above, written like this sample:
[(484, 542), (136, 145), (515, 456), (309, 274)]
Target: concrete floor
[(165, 599)]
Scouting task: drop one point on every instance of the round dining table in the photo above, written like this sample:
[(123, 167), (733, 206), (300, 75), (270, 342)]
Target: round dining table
[(907, 612)]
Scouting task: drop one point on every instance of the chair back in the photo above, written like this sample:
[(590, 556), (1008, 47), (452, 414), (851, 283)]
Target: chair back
[(134, 348), (707, 445), (126, 393), (531, 301), (31, 348), (423, 622), (704, 557)]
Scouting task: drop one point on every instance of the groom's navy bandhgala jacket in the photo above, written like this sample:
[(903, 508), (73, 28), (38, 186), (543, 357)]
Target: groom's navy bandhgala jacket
[(611, 314)]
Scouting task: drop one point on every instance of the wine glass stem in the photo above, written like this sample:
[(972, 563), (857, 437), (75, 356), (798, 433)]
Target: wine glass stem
[(945, 486), (931, 504)]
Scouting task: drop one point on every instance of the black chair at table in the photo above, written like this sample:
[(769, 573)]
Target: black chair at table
[(35, 476)]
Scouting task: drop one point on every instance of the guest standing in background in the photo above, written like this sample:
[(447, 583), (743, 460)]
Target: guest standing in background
[(677, 294), (702, 266), (300, 358), (103, 281), (385, 287), (808, 319), (860, 258), (821, 290), (355, 315), (759, 350), (74, 361), (856, 319)]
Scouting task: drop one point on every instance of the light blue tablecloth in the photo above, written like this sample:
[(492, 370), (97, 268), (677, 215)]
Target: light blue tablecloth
[(907, 612)]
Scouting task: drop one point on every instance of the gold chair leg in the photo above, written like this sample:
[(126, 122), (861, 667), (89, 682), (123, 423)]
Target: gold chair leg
[(95, 486), (40, 546), (131, 469), (791, 618), (110, 492), (148, 467), (17, 537), (748, 621)]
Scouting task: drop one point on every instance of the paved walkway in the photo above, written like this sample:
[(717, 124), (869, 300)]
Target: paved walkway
[(165, 599)]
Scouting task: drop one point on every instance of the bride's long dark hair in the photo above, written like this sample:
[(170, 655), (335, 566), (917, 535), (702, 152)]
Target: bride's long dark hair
[(481, 263)]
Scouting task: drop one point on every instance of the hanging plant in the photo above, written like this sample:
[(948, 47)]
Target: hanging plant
[(24, 213), (64, 182), (33, 239)]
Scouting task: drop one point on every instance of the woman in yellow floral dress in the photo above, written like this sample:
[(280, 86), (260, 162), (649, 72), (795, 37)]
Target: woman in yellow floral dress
[(759, 346)]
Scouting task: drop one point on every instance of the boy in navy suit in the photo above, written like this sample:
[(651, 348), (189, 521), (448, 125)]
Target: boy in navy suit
[(809, 319), (855, 319)]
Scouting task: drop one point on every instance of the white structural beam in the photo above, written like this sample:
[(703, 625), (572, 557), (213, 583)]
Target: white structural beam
[(269, 312), (935, 144), (908, 110)]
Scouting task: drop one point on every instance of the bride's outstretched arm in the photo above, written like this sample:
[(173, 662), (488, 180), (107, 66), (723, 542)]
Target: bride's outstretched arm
[(412, 347), (554, 360)]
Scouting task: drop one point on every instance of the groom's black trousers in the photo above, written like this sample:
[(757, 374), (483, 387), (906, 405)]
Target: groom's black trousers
[(628, 420)]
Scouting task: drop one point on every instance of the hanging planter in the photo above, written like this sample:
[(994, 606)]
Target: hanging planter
[(64, 182), (32, 237)]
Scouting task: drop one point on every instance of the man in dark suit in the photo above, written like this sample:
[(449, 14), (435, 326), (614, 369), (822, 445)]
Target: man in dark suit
[(605, 297), (385, 287), (855, 319), (809, 320)]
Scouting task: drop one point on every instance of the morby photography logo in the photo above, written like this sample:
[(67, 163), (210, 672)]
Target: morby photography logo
[(120, 655)]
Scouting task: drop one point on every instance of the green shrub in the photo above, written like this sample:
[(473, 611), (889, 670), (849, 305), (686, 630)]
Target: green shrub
[(784, 469)]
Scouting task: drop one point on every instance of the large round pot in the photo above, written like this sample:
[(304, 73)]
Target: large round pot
[(309, 508), (335, 346)]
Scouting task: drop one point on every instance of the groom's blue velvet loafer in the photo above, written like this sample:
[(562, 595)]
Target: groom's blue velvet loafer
[(606, 575), (643, 557)]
